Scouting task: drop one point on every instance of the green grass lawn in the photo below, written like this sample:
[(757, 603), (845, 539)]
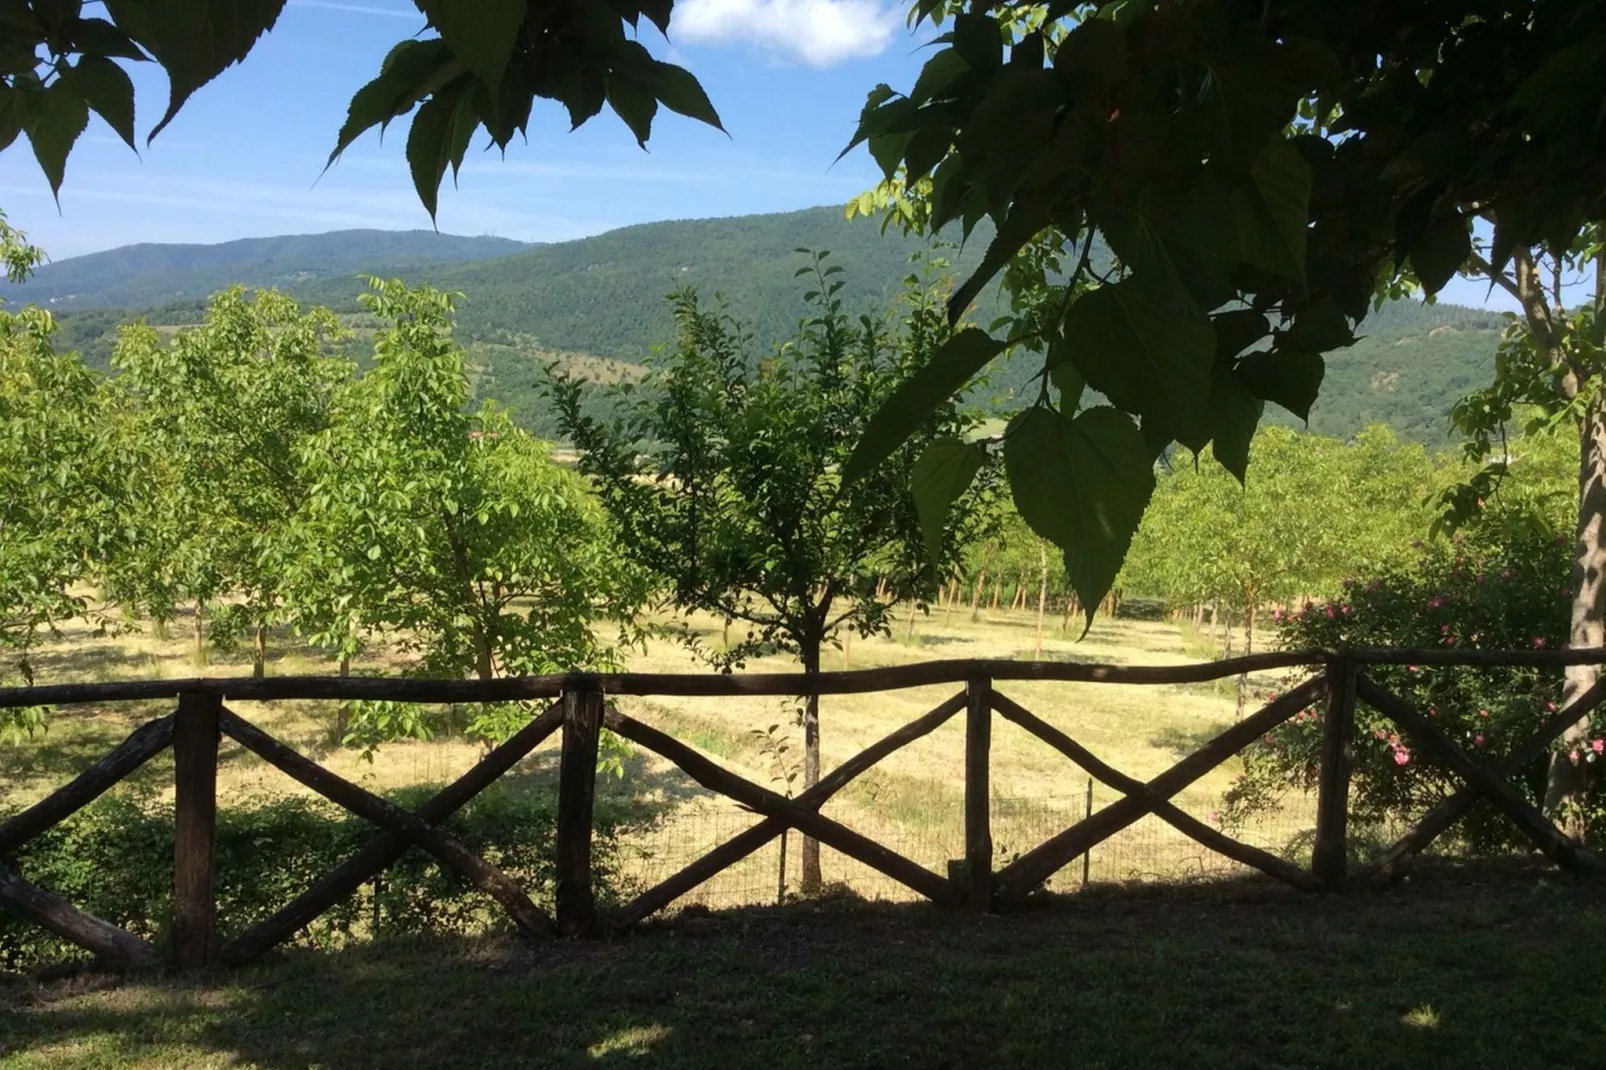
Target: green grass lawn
[(1454, 969)]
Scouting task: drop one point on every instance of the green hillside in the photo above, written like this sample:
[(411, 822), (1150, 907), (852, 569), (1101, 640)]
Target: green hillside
[(602, 299), (147, 275)]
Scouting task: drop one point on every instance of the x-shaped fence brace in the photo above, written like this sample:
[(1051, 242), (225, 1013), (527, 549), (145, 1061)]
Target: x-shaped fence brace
[(402, 829)]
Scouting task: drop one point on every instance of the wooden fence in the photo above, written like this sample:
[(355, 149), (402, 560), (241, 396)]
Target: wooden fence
[(1337, 680)]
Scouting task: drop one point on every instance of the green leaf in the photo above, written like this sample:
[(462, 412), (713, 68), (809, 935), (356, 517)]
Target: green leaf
[(1094, 53), (1283, 179), (52, 118), (481, 34), (979, 40), (1143, 359), (106, 88), (1320, 328), (939, 72), (98, 37), (1082, 484), (411, 71), (439, 137), (681, 93), (1065, 376), (194, 40), (633, 103), (939, 477), (1441, 252), (1290, 378), (1237, 329), (949, 369), (1234, 415)]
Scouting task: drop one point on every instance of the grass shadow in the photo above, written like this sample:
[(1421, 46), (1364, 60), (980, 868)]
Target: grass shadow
[(1219, 975)]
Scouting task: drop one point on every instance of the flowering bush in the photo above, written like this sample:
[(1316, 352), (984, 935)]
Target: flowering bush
[(1503, 593)]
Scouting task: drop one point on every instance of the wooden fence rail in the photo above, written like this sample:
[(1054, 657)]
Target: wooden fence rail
[(1337, 681)]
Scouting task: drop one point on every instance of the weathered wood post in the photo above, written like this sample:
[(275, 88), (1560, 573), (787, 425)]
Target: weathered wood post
[(195, 742), (978, 816), (577, 793), (1330, 854)]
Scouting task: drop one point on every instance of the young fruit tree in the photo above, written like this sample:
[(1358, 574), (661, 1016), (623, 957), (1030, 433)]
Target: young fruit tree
[(723, 474), (449, 530), (227, 408)]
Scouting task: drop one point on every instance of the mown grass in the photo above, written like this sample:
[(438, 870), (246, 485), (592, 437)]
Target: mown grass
[(1457, 969)]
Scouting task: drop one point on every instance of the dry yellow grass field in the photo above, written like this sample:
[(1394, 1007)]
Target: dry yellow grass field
[(912, 802)]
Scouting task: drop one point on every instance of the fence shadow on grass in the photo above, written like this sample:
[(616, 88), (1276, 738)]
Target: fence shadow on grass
[(1227, 974)]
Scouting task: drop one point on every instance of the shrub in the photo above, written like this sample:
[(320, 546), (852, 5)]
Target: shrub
[(1505, 593), (114, 859)]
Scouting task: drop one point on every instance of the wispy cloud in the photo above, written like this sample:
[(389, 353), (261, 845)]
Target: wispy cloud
[(361, 9), (821, 33)]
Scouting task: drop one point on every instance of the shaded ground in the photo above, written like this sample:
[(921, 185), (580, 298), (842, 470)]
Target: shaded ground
[(1460, 969)]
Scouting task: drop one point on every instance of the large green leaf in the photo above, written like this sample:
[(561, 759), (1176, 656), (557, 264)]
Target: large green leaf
[(1144, 359), (1083, 484), (681, 93), (438, 138), (411, 71), (1234, 415), (194, 40), (1441, 251), (52, 118), (1292, 379), (106, 88), (1274, 223), (949, 369), (940, 476), (481, 34)]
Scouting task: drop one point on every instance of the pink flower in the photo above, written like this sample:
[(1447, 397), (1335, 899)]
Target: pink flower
[(1411, 668), (1598, 745), (1212, 817), (1379, 733), (1572, 756), (1551, 706), (1344, 609), (1505, 573), (1478, 739), (1539, 642), (1402, 757), (1435, 602), (1433, 711), (1330, 613), (1484, 714)]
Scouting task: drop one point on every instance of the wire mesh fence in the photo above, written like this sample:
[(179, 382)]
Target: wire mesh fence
[(1149, 849)]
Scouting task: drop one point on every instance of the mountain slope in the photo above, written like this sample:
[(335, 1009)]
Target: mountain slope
[(140, 276), (604, 297)]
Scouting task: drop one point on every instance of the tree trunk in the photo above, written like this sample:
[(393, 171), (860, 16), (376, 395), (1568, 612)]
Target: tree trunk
[(343, 711), (847, 649), (1042, 596), (484, 664), (953, 599), (200, 631), (259, 651), (809, 856), (998, 591), (914, 607), (975, 596), (1566, 779), (1249, 647)]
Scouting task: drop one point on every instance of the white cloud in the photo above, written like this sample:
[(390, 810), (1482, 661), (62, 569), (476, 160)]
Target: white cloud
[(820, 33)]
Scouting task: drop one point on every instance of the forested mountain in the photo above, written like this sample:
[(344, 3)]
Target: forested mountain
[(147, 275), (603, 297)]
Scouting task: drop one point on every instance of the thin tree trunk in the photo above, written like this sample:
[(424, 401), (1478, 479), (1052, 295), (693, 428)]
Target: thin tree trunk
[(914, 606), (343, 711), (847, 649), (975, 596), (259, 651), (1566, 778), (953, 600), (200, 631), (1042, 596), (998, 591), (1249, 647), (484, 663), (809, 856)]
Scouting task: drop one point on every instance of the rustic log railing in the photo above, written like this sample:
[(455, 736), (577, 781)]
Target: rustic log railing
[(1338, 680)]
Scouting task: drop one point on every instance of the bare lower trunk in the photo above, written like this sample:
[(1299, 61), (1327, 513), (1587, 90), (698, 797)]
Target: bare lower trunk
[(975, 596), (909, 633), (259, 651), (200, 631), (1249, 648), (809, 856), (847, 649), (484, 664), (1042, 596), (998, 590), (1567, 778), (343, 711)]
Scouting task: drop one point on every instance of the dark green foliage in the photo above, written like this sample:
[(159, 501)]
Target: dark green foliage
[(114, 859), (1505, 591)]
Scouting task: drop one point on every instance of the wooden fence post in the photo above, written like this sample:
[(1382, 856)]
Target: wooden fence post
[(195, 742), (978, 817), (1330, 854), (577, 784)]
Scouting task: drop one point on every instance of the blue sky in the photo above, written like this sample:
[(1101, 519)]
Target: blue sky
[(244, 156)]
